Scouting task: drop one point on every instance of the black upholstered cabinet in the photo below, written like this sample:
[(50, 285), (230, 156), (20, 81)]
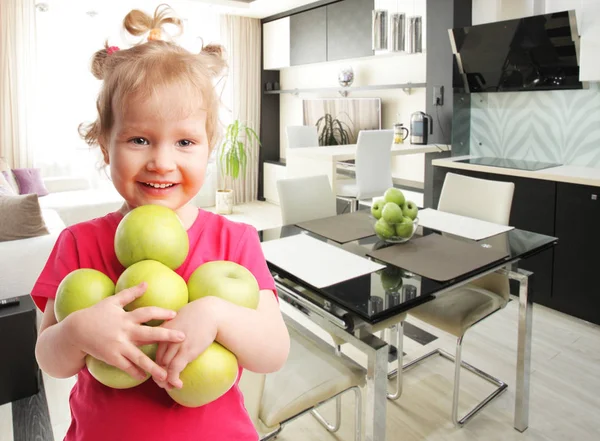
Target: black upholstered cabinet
[(308, 37), (577, 255), (349, 29), (533, 209)]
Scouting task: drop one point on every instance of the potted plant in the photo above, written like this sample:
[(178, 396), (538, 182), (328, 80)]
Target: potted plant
[(233, 159), (332, 132)]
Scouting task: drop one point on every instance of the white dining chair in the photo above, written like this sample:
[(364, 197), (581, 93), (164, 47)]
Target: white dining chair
[(373, 168), (301, 136), (305, 198), (457, 311), (313, 374)]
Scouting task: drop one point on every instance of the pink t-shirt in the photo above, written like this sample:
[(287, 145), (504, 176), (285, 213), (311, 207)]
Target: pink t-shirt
[(146, 412)]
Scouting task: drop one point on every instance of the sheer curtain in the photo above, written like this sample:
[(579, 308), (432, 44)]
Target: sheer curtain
[(241, 38), (17, 84)]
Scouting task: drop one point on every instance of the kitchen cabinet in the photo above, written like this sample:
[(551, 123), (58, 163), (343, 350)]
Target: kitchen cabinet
[(349, 29), (577, 255), (533, 209), (276, 44), (308, 37)]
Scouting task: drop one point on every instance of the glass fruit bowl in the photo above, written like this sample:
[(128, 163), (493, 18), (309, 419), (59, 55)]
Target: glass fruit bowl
[(388, 232)]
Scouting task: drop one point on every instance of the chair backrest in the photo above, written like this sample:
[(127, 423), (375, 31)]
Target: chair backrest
[(305, 198), (252, 386), (486, 200), (373, 162), (302, 136), (482, 199)]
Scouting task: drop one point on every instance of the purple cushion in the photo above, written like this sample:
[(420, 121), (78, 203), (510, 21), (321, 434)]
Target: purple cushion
[(30, 181)]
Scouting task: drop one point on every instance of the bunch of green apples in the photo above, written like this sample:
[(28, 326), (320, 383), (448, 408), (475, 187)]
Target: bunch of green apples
[(151, 243), (394, 214)]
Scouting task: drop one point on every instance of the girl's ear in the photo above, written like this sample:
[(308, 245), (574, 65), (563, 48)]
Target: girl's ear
[(104, 151)]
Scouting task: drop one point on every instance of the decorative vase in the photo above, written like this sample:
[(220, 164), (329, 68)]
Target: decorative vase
[(224, 201), (346, 76)]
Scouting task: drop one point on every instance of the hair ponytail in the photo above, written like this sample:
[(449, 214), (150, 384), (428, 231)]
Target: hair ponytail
[(139, 23), (215, 58)]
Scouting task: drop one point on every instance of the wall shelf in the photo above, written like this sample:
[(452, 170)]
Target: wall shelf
[(406, 87)]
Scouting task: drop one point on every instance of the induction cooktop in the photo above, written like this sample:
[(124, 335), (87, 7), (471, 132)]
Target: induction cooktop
[(520, 164)]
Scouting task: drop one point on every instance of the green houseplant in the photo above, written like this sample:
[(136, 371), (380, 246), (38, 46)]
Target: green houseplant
[(333, 131), (233, 160)]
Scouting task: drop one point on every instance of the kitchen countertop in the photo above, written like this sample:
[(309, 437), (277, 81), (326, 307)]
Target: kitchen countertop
[(572, 174), (348, 151)]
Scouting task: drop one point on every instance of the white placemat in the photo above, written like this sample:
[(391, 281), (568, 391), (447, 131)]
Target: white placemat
[(316, 262), (462, 226)]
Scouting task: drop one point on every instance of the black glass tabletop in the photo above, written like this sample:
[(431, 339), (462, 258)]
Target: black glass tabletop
[(381, 294)]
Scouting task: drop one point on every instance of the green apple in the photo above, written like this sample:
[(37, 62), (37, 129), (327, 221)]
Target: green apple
[(383, 229), (377, 208), (166, 288), (391, 279), (410, 209), (114, 377), (80, 289), (224, 279), (404, 229), (394, 195), (391, 213), (151, 232), (207, 377)]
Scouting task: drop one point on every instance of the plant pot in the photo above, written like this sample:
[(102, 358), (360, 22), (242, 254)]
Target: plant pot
[(224, 201)]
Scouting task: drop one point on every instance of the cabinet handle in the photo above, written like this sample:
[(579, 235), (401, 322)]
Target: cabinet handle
[(594, 197)]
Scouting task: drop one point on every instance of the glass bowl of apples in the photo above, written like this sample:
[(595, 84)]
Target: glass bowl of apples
[(394, 218)]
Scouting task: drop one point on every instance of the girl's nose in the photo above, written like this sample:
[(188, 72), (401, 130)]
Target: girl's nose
[(162, 160)]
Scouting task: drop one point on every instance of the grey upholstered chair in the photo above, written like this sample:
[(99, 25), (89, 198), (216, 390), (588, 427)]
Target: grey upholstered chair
[(458, 310), (313, 374)]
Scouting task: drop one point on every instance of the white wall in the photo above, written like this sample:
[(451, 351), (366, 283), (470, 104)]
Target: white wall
[(397, 106)]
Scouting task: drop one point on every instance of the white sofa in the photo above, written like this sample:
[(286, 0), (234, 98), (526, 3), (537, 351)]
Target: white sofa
[(74, 199), (22, 261)]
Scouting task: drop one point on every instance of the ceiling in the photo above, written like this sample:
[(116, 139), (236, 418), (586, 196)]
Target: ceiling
[(248, 8)]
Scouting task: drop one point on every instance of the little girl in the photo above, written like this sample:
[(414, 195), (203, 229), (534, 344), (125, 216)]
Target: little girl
[(157, 124)]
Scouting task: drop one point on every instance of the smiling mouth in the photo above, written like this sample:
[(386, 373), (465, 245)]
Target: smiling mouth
[(156, 185)]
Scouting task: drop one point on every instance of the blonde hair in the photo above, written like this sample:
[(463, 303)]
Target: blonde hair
[(145, 67)]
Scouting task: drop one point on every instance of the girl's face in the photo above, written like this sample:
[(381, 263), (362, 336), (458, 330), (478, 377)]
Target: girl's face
[(158, 151)]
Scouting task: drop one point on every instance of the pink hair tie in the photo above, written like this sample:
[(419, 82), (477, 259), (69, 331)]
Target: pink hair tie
[(111, 50)]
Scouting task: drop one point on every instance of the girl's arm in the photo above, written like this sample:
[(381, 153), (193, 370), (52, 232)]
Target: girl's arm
[(56, 338), (259, 338), (105, 331)]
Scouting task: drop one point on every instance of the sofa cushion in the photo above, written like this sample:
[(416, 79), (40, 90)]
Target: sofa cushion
[(21, 217), (29, 181), (5, 188), (82, 205)]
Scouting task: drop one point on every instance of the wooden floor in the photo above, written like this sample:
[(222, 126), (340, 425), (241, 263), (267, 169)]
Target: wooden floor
[(565, 383)]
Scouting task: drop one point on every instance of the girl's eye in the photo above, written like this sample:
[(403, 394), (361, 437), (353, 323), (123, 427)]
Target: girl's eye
[(140, 141), (185, 143)]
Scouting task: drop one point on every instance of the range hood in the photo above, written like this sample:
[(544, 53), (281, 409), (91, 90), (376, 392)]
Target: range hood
[(540, 52)]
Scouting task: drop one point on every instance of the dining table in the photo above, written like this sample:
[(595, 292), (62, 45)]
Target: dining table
[(349, 301)]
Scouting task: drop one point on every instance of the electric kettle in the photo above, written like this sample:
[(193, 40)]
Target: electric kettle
[(421, 124)]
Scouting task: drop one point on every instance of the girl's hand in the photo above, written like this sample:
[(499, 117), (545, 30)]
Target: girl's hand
[(197, 320), (109, 333)]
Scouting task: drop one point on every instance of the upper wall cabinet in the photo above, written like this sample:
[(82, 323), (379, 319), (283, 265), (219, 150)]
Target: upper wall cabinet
[(349, 29), (308, 37), (276, 44)]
